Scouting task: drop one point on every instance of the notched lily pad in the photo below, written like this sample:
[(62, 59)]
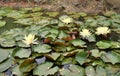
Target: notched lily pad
[(42, 48), (7, 43), (2, 23), (45, 69), (103, 44), (27, 65), (72, 70), (3, 55), (22, 53), (52, 56)]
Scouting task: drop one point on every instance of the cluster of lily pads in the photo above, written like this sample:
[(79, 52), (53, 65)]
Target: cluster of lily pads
[(59, 44)]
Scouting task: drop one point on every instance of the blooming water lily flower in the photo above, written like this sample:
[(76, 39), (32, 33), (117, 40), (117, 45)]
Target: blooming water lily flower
[(85, 33), (102, 30), (30, 39)]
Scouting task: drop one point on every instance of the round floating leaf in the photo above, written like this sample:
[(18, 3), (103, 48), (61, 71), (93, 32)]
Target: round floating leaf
[(52, 14), (7, 43), (2, 23), (95, 53), (22, 53), (6, 64), (16, 71), (27, 21), (90, 71), (115, 44), (78, 42), (100, 71), (3, 55), (110, 57), (42, 48), (72, 70), (103, 44), (81, 57), (53, 56), (27, 65), (45, 69), (21, 44)]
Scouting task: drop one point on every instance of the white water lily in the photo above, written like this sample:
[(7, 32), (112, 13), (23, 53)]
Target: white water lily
[(102, 30), (30, 39), (85, 33), (66, 19)]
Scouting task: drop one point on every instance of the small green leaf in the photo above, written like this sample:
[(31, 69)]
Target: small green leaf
[(6, 64), (78, 42), (22, 53), (2, 23), (110, 57), (7, 43), (72, 70), (3, 55), (90, 71), (100, 71), (103, 44), (16, 71), (53, 56), (95, 53), (27, 65), (81, 57), (42, 48), (45, 69)]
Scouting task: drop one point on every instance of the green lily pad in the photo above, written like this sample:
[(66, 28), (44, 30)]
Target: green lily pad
[(45, 69), (72, 70), (2, 23), (78, 42), (27, 65), (110, 57), (25, 21), (3, 55), (16, 71), (7, 43), (90, 71), (95, 53), (42, 48), (81, 57), (6, 64), (103, 44), (52, 56), (100, 71), (115, 44), (22, 53), (52, 14)]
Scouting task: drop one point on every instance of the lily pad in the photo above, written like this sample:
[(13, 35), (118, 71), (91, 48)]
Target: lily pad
[(45, 69), (78, 42), (27, 65), (72, 70), (2, 23), (81, 57), (90, 71), (3, 55), (6, 64), (42, 48), (7, 43), (103, 44), (95, 53), (100, 71), (22, 53), (110, 57), (52, 56)]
